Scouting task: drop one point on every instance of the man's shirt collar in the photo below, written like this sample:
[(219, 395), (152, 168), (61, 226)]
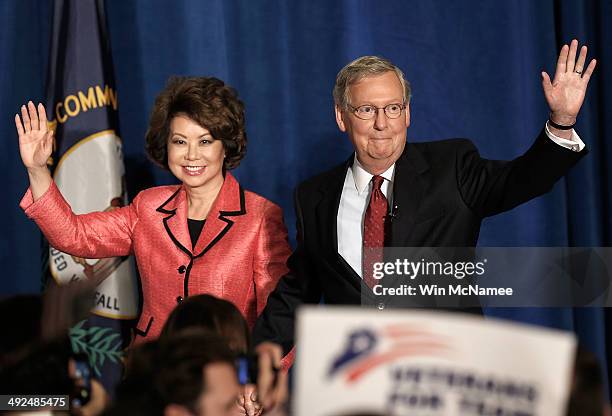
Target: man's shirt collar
[(363, 177)]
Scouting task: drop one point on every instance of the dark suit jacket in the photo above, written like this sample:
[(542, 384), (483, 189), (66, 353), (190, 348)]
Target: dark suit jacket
[(442, 190)]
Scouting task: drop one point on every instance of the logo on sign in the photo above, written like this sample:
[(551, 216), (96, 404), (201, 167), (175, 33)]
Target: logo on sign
[(366, 349)]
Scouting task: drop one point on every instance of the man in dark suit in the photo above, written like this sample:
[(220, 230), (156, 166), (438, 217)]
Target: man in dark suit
[(396, 194)]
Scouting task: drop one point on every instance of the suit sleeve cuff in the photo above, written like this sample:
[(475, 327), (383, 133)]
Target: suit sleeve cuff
[(31, 207), (574, 144)]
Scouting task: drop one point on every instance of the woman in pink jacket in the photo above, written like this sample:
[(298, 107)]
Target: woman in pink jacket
[(207, 235)]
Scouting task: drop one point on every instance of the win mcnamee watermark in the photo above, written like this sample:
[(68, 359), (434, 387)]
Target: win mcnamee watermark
[(434, 278)]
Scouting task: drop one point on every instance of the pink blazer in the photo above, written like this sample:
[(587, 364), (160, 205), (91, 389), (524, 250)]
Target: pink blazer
[(240, 255)]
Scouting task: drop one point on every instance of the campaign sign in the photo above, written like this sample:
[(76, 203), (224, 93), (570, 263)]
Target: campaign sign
[(356, 360)]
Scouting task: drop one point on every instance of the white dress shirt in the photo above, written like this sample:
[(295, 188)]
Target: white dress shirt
[(356, 196)]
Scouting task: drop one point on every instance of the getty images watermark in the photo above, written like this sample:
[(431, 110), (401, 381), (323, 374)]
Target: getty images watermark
[(492, 276), (407, 269)]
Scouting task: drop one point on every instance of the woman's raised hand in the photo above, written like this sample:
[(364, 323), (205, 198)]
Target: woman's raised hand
[(35, 146), (35, 139)]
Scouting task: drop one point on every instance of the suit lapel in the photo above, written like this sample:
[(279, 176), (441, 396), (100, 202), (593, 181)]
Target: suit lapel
[(327, 221), (175, 221), (330, 192), (229, 203), (408, 190)]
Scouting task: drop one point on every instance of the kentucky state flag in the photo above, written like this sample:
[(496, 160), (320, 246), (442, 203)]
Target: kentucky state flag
[(88, 169)]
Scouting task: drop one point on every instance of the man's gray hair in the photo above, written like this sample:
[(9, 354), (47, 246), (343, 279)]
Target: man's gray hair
[(366, 66)]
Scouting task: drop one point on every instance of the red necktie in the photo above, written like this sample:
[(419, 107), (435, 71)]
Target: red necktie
[(374, 230)]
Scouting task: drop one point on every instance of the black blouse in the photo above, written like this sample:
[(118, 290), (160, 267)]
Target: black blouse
[(195, 229)]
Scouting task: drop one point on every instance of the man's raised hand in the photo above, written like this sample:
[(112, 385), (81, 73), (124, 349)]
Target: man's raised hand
[(565, 94)]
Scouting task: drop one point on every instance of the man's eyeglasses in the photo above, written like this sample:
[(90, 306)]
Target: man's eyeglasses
[(369, 111)]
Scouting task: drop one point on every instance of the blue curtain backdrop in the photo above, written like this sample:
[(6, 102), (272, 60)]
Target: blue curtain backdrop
[(474, 67)]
